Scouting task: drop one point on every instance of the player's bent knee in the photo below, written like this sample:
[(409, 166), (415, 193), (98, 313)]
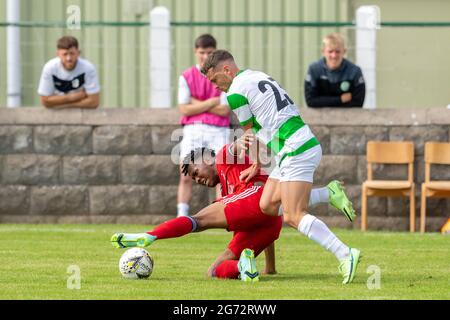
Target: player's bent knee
[(268, 208), (288, 220), (202, 222)]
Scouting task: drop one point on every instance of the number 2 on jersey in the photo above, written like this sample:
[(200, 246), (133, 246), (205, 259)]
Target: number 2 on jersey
[(281, 103)]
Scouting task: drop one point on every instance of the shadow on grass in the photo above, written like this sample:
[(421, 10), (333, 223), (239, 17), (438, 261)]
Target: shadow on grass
[(299, 276)]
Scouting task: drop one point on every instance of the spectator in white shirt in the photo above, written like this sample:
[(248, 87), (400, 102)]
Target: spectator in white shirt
[(69, 81)]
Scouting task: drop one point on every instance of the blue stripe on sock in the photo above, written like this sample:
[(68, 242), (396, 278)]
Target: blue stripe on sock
[(194, 223)]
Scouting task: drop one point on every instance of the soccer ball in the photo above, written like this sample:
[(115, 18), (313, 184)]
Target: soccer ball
[(136, 263)]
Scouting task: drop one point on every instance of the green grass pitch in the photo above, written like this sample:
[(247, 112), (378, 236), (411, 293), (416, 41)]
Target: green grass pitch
[(35, 259)]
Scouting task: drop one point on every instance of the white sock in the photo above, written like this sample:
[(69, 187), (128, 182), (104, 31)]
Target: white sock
[(182, 209), (319, 195), (316, 230)]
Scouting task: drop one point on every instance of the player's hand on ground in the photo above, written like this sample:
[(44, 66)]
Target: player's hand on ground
[(247, 174), (269, 271), (211, 269)]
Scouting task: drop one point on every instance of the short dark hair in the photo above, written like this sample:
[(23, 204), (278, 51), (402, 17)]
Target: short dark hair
[(67, 42), (193, 156), (215, 58), (205, 41)]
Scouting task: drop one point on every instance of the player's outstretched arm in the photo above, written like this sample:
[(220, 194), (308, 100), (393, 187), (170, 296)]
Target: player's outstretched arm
[(269, 253)]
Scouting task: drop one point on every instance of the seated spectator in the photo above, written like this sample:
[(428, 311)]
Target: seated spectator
[(69, 81), (333, 81)]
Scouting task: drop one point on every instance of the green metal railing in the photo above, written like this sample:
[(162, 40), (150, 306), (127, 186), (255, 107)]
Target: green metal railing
[(302, 24)]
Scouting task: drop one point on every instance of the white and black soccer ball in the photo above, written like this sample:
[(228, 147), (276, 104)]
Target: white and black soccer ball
[(136, 263)]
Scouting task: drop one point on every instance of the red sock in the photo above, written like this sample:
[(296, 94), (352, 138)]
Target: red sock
[(173, 228), (228, 269)]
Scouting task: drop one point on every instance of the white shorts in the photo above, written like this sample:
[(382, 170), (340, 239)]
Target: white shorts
[(300, 167), (203, 135)]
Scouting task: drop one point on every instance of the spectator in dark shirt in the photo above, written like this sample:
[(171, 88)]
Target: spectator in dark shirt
[(333, 81)]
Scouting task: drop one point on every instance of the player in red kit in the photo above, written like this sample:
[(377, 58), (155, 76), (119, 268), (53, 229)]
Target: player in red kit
[(238, 211)]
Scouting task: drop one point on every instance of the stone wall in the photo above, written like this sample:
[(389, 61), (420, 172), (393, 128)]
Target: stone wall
[(114, 165)]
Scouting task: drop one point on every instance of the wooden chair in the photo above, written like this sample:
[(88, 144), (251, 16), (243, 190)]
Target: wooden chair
[(435, 153), (389, 153)]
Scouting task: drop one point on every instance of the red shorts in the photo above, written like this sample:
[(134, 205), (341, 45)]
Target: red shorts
[(257, 240), (252, 228)]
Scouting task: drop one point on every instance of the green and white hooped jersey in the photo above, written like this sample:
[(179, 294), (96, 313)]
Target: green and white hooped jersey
[(258, 99)]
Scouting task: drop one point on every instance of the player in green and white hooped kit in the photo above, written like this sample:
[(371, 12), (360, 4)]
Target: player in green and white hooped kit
[(263, 106)]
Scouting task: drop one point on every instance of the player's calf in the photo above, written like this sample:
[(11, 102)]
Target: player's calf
[(170, 229), (294, 219)]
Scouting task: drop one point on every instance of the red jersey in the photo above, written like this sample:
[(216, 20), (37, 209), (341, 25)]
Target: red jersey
[(229, 167)]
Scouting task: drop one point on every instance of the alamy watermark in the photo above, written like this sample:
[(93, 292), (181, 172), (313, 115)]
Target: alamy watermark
[(74, 280), (374, 281), (73, 21)]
